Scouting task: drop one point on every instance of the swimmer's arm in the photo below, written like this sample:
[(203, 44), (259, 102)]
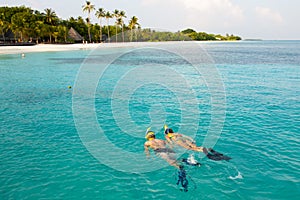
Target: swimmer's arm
[(188, 138), (168, 140), (169, 143), (147, 152)]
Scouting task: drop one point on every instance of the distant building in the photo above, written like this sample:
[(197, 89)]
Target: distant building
[(74, 35), (8, 37)]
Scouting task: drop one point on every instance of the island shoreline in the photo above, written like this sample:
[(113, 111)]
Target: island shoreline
[(5, 50)]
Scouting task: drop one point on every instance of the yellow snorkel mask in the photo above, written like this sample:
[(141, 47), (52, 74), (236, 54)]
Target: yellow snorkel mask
[(166, 127), (149, 134), (168, 130)]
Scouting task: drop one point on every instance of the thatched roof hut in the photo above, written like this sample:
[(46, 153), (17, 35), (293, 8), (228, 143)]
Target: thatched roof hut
[(7, 37), (74, 35)]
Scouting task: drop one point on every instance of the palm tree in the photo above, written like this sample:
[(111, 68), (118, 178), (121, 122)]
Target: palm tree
[(116, 15), (17, 25), (139, 31), (50, 19), (50, 16), (108, 16), (132, 23), (39, 27), (100, 14), (120, 22), (4, 27), (63, 32), (122, 15), (88, 7)]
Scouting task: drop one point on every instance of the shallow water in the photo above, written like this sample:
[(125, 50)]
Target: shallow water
[(44, 153)]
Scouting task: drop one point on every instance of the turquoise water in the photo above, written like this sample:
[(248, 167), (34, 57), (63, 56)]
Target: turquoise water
[(44, 156)]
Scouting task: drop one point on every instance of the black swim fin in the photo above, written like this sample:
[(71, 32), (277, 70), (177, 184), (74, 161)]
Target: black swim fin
[(214, 155)]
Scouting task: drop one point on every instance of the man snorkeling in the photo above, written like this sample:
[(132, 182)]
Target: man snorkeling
[(188, 143), (160, 148), (181, 140)]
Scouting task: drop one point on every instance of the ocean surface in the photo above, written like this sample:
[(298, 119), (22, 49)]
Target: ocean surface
[(87, 141)]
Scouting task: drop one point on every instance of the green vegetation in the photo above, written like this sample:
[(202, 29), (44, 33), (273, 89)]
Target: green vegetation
[(145, 35), (185, 35), (202, 36), (22, 24)]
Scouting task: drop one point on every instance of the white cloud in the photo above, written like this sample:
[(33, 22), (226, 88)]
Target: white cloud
[(214, 6), (267, 13), (150, 2), (204, 6), (202, 15), (213, 13)]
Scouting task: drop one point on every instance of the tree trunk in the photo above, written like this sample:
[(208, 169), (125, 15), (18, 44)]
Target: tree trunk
[(100, 23), (65, 30), (3, 36), (116, 34), (100, 31), (108, 31), (100, 36), (89, 32), (89, 23), (123, 32)]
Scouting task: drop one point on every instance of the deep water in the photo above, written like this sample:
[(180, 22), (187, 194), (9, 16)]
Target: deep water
[(44, 155)]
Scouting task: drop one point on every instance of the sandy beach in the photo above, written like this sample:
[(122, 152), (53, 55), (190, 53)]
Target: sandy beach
[(44, 48), (73, 47), (59, 47), (70, 47)]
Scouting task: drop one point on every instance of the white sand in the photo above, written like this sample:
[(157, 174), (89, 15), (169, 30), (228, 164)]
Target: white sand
[(70, 47), (58, 47)]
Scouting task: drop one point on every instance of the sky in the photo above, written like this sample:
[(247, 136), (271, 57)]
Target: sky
[(250, 19)]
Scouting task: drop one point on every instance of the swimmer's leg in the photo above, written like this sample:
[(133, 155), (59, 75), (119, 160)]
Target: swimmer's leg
[(170, 159), (187, 144), (185, 184), (199, 149)]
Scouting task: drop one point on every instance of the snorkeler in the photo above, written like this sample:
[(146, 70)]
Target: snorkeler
[(188, 143), (181, 140), (160, 148)]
